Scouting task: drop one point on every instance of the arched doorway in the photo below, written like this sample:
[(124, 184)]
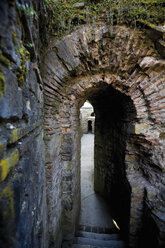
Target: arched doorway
[(123, 67), (115, 114), (89, 126)]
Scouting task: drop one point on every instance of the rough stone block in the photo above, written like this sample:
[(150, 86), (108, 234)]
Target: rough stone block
[(8, 162), (54, 64), (11, 101), (64, 52), (142, 128)]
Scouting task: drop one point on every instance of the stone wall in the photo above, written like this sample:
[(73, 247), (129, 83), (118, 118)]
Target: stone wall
[(23, 207), (80, 67)]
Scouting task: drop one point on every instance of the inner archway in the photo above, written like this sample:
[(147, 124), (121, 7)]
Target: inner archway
[(115, 115)]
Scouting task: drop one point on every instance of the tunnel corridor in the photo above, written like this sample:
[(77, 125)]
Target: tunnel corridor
[(96, 225), (115, 114), (44, 81), (115, 119), (115, 77), (94, 211)]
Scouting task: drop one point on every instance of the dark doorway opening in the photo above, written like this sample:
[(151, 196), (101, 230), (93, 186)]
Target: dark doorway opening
[(89, 126), (115, 113)]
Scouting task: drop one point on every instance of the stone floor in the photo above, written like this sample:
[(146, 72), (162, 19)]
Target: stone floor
[(94, 210), (96, 228)]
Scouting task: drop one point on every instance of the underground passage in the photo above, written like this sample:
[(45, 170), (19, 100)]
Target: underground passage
[(82, 125)]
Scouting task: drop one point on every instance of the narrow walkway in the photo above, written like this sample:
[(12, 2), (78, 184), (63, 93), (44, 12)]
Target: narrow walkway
[(96, 228), (94, 210)]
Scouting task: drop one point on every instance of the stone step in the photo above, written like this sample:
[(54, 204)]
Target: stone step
[(82, 246), (87, 246), (99, 243), (97, 229), (99, 236)]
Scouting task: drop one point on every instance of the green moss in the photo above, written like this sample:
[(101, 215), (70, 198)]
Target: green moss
[(24, 56), (149, 24), (64, 15), (21, 75), (5, 61), (7, 163), (1, 146), (28, 10), (2, 83), (22, 70)]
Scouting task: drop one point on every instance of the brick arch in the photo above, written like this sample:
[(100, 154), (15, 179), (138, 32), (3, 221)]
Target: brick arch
[(73, 66)]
